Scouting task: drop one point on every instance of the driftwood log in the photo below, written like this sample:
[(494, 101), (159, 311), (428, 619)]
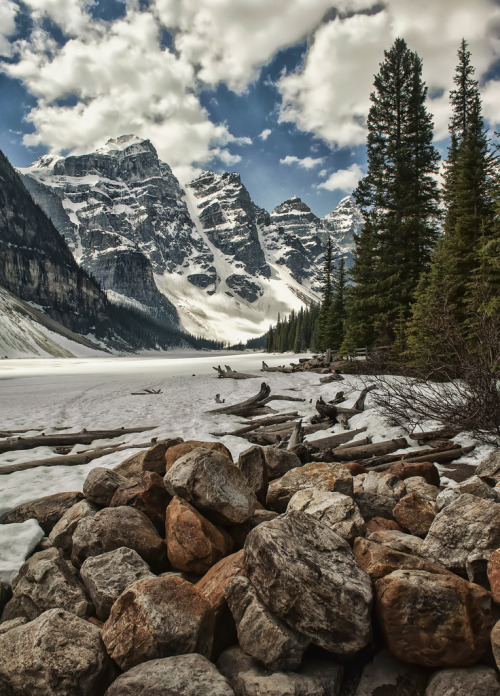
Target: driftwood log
[(443, 457), (297, 435), (255, 405), (85, 437), (441, 434), (146, 391), (282, 368), (427, 453), (260, 423), (333, 441), (228, 373), (70, 459), (357, 452)]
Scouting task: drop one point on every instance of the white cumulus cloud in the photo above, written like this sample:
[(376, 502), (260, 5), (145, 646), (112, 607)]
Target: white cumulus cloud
[(304, 162), (8, 12), (265, 134), (343, 179)]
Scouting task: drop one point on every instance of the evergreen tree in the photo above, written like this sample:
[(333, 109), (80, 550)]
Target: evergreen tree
[(462, 272), (326, 299), (398, 198), (334, 328)]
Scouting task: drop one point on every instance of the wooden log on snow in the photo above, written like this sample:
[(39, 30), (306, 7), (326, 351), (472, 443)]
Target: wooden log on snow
[(228, 373), (334, 441), (85, 437), (432, 451), (360, 402), (331, 378), (70, 459), (255, 404), (440, 434), (262, 422), (443, 457), (281, 368), (343, 454), (297, 435)]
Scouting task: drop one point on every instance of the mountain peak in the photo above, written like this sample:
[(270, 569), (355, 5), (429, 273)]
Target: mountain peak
[(122, 143), (293, 204)]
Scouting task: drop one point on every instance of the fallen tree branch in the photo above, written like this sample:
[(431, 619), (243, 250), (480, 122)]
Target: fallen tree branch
[(254, 404), (297, 435), (255, 425), (362, 452), (228, 373), (439, 458), (70, 459), (85, 437)]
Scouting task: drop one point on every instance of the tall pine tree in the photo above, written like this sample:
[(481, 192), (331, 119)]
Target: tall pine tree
[(399, 201)]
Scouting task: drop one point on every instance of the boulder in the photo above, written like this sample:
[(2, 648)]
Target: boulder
[(101, 484), (13, 623), (260, 634), (323, 476), (58, 654), (337, 511), (252, 465), (433, 620), (371, 505), (158, 617), (212, 585), (5, 594), (278, 461), (383, 484), (180, 675), (493, 571), (418, 485), (476, 486), (415, 514), (405, 470), (62, 532), (479, 681), (315, 677), (308, 577), (194, 544), (112, 528), (386, 676), (147, 494), (468, 525), (152, 459), (106, 576), (495, 643), (46, 511), (489, 468), (446, 497), (176, 451), (379, 561), (45, 582), (212, 484), (380, 524), (399, 541)]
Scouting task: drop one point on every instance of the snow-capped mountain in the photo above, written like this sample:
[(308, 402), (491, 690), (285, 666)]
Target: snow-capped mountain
[(205, 256), (343, 223)]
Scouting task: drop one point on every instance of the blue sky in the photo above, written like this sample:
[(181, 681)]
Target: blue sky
[(277, 90)]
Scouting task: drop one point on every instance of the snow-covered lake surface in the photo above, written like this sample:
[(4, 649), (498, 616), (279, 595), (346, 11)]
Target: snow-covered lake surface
[(95, 393)]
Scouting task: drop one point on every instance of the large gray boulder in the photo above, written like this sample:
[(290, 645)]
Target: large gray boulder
[(58, 654), (477, 681), (180, 675), (308, 577), (46, 581), (337, 511), (260, 634), (112, 528), (490, 467), (469, 525), (386, 485), (399, 541), (212, 484), (106, 576), (62, 533), (247, 677)]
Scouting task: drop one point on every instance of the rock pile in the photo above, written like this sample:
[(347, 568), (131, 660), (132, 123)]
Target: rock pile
[(185, 573)]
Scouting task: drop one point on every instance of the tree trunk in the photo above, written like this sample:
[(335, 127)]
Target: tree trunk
[(232, 374), (83, 438)]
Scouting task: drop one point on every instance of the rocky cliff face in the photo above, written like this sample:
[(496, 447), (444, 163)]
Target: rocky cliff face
[(35, 263), (343, 223), (205, 254)]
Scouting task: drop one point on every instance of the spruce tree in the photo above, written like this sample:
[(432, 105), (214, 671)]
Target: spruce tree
[(399, 201)]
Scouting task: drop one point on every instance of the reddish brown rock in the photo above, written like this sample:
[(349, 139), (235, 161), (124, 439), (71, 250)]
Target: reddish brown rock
[(495, 643), (146, 493), (404, 470), (399, 541), (494, 575), (194, 544), (379, 561), (252, 465), (46, 511), (322, 475), (152, 459), (158, 617), (212, 585), (177, 451), (415, 514), (378, 524), (112, 528), (355, 468), (433, 620)]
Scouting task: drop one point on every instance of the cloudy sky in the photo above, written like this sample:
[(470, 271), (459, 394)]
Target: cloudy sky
[(275, 89)]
